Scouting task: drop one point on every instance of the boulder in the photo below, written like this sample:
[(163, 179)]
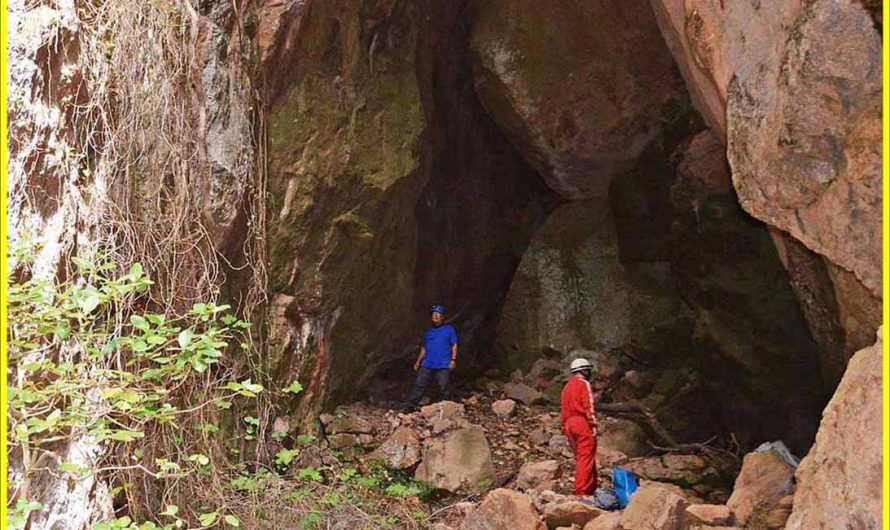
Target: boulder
[(447, 410), (504, 509), (346, 423), (844, 464), (538, 475), (687, 494), (459, 460), (606, 521), (806, 153), (342, 440), (539, 437), (559, 445), (777, 517), (579, 89), (653, 508), (401, 450), (623, 435), (709, 514), (608, 457), (764, 479), (683, 470), (441, 425), (504, 408), (523, 393), (569, 512)]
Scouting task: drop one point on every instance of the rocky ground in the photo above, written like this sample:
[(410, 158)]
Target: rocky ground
[(495, 458)]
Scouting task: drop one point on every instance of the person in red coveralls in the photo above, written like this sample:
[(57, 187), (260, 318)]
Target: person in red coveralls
[(579, 425)]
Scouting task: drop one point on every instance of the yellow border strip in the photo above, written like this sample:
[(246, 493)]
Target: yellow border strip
[(4, 31), (886, 291)]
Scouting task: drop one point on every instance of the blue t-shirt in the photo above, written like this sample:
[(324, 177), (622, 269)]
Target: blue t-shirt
[(437, 342)]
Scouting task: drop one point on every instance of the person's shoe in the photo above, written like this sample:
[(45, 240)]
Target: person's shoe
[(408, 409)]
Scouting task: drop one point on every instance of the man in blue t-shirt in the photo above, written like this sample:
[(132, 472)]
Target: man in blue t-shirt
[(438, 356)]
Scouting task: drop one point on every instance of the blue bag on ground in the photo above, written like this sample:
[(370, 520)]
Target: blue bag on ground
[(605, 499), (625, 484)]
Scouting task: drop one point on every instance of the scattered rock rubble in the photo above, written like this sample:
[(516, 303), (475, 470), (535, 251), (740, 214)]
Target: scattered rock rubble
[(501, 461), (509, 458)]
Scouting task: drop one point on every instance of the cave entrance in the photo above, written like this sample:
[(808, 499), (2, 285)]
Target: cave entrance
[(634, 253), (546, 177)]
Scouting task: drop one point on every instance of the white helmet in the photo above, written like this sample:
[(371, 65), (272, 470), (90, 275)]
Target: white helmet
[(580, 364)]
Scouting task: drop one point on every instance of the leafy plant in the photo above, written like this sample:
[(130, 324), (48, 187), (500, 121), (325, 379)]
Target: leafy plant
[(87, 368)]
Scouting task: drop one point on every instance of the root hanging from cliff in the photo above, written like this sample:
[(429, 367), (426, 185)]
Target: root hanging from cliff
[(141, 123)]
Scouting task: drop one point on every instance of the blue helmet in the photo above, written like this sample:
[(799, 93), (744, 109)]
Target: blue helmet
[(438, 309)]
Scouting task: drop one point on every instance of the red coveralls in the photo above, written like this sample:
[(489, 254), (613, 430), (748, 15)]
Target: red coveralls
[(579, 425)]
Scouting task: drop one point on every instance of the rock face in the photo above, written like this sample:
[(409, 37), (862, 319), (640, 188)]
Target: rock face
[(569, 513), (709, 514), (764, 479), (571, 291), (459, 460), (815, 120), (538, 475), (579, 89), (379, 153), (845, 463), (523, 393), (401, 450), (772, 80), (653, 508), (134, 174), (504, 509)]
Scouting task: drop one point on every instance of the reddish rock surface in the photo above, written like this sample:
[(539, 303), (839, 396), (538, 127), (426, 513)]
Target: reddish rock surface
[(504, 509), (804, 139), (653, 508), (569, 512), (764, 479), (805, 150), (538, 475), (710, 514), (459, 460), (838, 483), (579, 89)]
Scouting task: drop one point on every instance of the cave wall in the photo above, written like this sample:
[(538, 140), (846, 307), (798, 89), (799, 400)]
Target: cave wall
[(390, 189), (794, 90)]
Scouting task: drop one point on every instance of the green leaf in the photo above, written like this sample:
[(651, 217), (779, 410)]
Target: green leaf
[(171, 510), (286, 456), (126, 436), (135, 271), (207, 519), (233, 521), (140, 322), (200, 459), (310, 473), (199, 366), (185, 338), (74, 469), (293, 388), (90, 303)]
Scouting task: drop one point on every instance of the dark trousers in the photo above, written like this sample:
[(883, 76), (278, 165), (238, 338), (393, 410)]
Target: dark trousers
[(423, 380)]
